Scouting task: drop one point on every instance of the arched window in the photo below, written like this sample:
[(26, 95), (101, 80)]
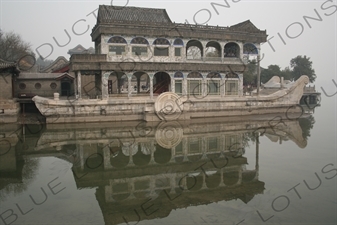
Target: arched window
[(213, 51), (232, 75), (213, 82), (141, 48), (178, 41), (178, 75), (178, 81), (194, 84), (161, 47), (232, 84), (161, 41), (250, 49), (232, 50), (117, 40), (118, 45), (140, 41), (178, 44), (194, 50)]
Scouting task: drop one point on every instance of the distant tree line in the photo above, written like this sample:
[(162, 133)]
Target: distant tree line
[(13, 47), (300, 65)]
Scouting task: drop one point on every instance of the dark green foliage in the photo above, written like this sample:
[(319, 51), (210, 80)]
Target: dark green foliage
[(298, 66), (302, 66)]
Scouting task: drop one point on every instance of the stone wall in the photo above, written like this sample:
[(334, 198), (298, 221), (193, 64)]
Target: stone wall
[(36, 87), (5, 86), (9, 109)]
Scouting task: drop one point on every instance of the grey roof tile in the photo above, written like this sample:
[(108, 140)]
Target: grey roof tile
[(118, 14)]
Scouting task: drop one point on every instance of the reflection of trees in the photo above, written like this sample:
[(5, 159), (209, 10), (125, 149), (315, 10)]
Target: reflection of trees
[(248, 137), (18, 183), (306, 124)]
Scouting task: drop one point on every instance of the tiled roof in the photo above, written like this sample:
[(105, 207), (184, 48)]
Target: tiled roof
[(57, 64), (43, 76), (77, 49), (117, 14), (245, 26)]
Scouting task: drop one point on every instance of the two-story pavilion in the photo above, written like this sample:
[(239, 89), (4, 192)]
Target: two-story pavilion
[(146, 67), (141, 52)]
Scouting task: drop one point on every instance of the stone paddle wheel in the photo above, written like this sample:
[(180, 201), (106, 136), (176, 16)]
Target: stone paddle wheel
[(168, 106)]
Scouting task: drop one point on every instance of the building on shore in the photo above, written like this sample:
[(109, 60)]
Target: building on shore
[(9, 108), (180, 58)]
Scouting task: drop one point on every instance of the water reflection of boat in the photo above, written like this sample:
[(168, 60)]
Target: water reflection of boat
[(169, 164), (10, 164)]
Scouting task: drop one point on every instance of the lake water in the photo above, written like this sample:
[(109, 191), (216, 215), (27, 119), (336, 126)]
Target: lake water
[(269, 170)]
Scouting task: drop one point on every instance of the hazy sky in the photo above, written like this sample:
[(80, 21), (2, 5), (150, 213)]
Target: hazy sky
[(39, 21)]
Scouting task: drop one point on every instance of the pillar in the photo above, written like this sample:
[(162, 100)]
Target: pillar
[(184, 86), (172, 82), (81, 153), (204, 87), (240, 84), (104, 85), (203, 43), (106, 153), (129, 85), (75, 85), (185, 149), (151, 85), (79, 84), (222, 86), (173, 85)]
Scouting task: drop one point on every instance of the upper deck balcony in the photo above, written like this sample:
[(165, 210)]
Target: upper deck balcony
[(96, 62)]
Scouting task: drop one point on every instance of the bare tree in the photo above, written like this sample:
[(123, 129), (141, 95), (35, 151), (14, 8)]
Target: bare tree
[(193, 52), (13, 47)]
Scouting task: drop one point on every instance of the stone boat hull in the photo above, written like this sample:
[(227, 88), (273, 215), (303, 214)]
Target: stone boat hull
[(169, 106)]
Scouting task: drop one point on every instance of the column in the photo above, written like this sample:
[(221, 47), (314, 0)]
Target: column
[(203, 50), (79, 84), (106, 153), (240, 83), (173, 85), (185, 149), (152, 153), (204, 148), (241, 49), (222, 45), (104, 84), (172, 82), (129, 85), (204, 186), (184, 86), (75, 85), (222, 86), (183, 54), (204, 87), (257, 148), (81, 153), (151, 85)]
